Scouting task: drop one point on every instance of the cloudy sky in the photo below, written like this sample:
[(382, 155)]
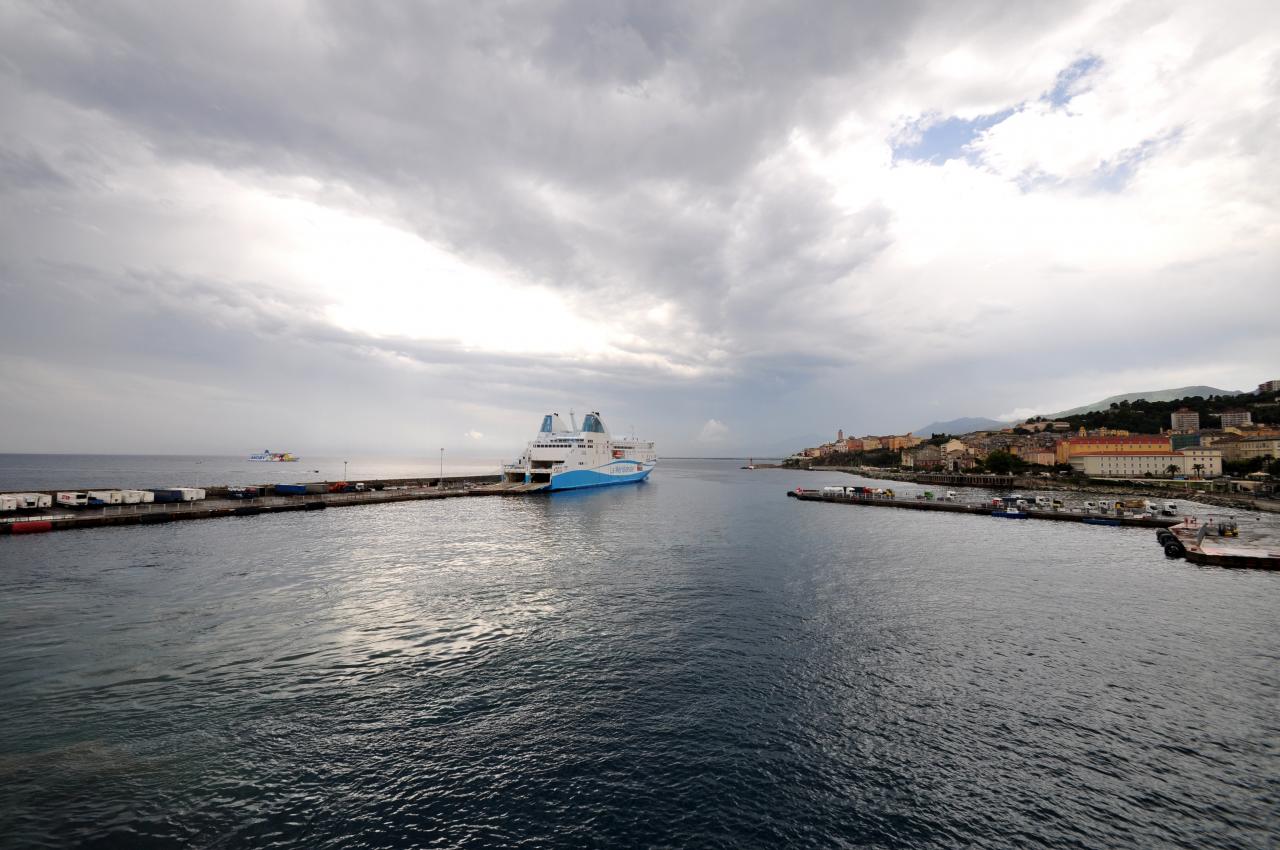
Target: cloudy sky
[(736, 227)]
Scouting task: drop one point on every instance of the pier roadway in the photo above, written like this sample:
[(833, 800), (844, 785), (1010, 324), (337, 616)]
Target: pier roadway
[(59, 518), (983, 510)]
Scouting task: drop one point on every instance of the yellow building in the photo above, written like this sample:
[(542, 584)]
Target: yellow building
[(1250, 448), (1193, 462), (1103, 432), (1073, 446), (1033, 454)]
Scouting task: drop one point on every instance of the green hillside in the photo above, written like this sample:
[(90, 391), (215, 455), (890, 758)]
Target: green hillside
[(1149, 417)]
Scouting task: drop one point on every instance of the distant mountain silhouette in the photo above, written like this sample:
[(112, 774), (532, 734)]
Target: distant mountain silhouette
[(1150, 395), (963, 425)]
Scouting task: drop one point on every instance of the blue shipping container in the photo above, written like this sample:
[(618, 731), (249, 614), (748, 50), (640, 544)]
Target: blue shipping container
[(168, 495), (291, 489)]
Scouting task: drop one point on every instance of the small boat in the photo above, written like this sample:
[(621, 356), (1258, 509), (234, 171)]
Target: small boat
[(751, 463), (268, 456), (1010, 513)]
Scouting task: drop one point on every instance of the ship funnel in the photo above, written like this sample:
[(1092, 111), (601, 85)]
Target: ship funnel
[(552, 424)]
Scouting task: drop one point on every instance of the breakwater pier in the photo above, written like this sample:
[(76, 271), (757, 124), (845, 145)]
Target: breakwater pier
[(1215, 544), (883, 501), (244, 502)]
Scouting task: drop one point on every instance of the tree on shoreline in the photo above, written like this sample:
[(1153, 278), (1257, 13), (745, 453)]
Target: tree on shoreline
[(1001, 462)]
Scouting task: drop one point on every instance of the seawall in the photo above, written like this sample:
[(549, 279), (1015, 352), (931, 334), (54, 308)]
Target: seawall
[(217, 504)]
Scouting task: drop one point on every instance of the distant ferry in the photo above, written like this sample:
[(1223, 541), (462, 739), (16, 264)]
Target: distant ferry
[(571, 458), (274, 457)]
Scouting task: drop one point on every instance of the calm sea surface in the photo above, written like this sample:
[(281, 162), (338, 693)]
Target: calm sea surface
[(696, 661)]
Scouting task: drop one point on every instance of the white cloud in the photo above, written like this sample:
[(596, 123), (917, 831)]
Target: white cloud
[(474, 435), (1020, 414), (713, 431)]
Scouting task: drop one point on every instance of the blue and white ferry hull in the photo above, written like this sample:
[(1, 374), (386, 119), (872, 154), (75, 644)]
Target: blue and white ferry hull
[(618, 472)]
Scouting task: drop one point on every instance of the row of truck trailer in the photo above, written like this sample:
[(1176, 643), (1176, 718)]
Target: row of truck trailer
[(102, 498), (97, 498)]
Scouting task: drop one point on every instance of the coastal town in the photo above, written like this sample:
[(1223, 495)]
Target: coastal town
[(1231, 441)]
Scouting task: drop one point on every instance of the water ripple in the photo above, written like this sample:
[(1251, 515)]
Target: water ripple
[(693, 662)]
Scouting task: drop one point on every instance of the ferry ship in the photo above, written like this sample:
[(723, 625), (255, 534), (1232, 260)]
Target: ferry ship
[(571, 458), (274, 457)]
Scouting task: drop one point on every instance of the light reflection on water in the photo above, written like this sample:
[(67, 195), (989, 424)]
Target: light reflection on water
[(693, 661)]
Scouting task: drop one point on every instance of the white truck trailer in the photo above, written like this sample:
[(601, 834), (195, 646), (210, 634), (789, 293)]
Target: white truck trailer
[(33, 500)]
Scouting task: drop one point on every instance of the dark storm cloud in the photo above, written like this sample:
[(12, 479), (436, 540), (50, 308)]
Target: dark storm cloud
[(461, 120)]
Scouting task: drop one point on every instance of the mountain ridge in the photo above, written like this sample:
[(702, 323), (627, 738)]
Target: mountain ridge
[(968, 424), (963, 425), (1149, 395)]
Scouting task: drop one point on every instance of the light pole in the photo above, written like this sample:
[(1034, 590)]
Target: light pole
[(440, 480), (344, 470)]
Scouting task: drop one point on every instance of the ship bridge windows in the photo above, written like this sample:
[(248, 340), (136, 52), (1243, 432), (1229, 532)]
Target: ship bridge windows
[(593, 424)]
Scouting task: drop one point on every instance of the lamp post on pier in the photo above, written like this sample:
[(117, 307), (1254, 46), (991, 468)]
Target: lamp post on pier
[(440, 480)]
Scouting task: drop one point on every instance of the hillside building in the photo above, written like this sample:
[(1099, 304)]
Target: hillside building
[(1072, 446), (1235, 418), (896, 443), (1037, 455), (922, 457), (1199, 462), (1184, 420), (1249, 448)]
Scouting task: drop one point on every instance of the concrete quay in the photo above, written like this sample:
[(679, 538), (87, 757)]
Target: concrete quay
[(1161, 489), (218, 505), (1209, 545), (982, 510)]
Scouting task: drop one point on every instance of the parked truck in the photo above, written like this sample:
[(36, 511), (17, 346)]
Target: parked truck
[(178, 494), (105, 497), (33, 500), (72, 499)]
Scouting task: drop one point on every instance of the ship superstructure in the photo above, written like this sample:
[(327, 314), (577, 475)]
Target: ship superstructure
[(568, 457), (274, 457)]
